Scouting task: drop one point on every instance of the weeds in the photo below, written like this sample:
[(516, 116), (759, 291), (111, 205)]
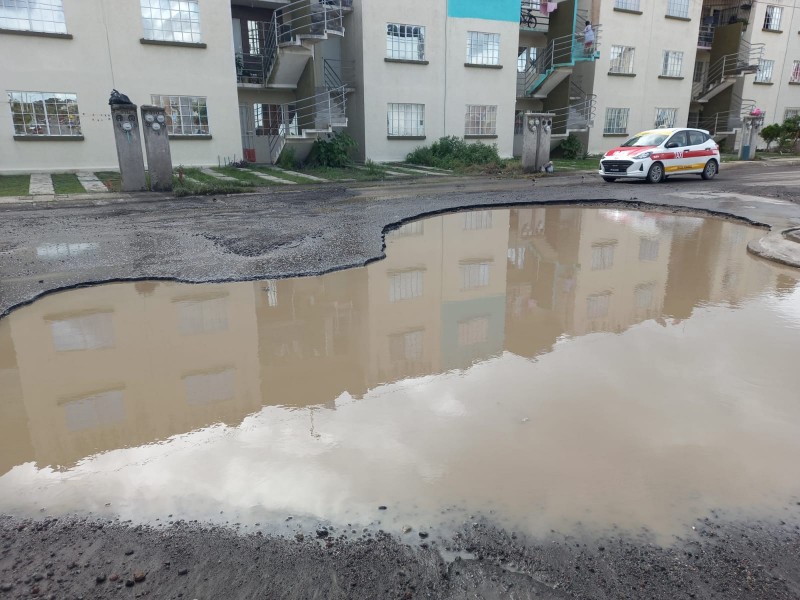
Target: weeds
[(452, 152)]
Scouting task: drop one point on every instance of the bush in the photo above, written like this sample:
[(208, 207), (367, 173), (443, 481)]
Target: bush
[(452, 152), (771, 133), (334, 151), (287, 158), (571, 147)]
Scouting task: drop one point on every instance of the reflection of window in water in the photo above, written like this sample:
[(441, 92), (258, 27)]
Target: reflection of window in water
[(473, 331), (62, 250), (603, 255), (597, 305), (644, 295), (208, 388), (97, 410), (404, 285), (516, 256), (406, 346), (84, 332), (474, 275), (415, 228), (203, 316), (271, 288), (479, 219), (648, 248)]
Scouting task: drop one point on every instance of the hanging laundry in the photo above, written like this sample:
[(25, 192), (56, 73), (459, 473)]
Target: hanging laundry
[(551, 6)]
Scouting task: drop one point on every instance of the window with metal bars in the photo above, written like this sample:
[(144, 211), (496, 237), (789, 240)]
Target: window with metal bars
[(597, 305), (648, 248), (621, 59), (405, 42), (483, 48), (790, 113), (404, 285), (474, 275), (616, 121), (171, 20), (678, 8), (772, 18), (45, 113), (795, 76), (254, 37), (275, 119), (186, 115), (665, 117), (603, 255), (480, 120), (33, 15), (672, 63), (627, 4), (478, 219), (764, 72), (405, 120)]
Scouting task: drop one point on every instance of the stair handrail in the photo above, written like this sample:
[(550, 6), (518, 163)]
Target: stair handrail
[(338, 73)]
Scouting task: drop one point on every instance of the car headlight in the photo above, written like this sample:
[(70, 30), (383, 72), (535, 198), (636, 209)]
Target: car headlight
[(642, 155)]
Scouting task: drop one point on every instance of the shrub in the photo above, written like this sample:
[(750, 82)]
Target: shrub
[(287, 158), (333, 151), (571, 147), (453, 152)]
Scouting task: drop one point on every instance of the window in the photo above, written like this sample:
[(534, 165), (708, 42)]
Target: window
[(474, 275), (171, 20), (678, 8), (597, 305), (764, 73), (621, 59), (795, 76), (98, 410), (203, 316), (480, 120), (186, 115), (648, 248), (697, 137), (643, 295), (209, 388), (603, 255), (473, 331), (404, 285), (410, 229), (478, 219), (33, 15), (406, 346), (665, 117), (772, 18), (254, 37), (45, 113), (699, 75), (672, 63), (616, 121), (405, 42), (85, 332), (627, 4), (483, 48), (406, 120), (790, 113)]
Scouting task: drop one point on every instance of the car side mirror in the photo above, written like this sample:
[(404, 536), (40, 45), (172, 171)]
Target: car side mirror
[(672, 144)]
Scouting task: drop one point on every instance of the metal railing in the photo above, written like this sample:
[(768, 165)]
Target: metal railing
[(338, 73), (706, 36), (560, 52), (531, 16), (731, 65), (727, 120)]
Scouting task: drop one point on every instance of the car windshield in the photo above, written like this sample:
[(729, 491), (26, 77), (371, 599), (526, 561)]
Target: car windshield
[(646, 139)]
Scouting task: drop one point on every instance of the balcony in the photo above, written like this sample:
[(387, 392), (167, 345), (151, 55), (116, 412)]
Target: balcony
[(531, 17)]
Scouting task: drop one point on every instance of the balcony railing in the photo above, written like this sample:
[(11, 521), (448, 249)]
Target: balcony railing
[(338, 73), (531, 16), (731, 65)]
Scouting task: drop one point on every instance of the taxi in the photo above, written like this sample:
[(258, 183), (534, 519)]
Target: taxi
[(656, 154)]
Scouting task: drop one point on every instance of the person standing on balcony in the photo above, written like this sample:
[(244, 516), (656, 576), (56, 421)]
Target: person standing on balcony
[(588, 38)]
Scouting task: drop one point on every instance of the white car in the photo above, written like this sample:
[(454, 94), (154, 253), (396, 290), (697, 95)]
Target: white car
[(657, 154)]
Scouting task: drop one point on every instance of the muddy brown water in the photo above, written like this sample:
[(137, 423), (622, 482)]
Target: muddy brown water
[(552, 368)]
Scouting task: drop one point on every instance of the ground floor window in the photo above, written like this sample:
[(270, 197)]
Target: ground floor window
[(790, 113), (405, 120), (795, 77), (45, 113), (186, 115), (275, 119), (616, 121), (480, 120), (665, 117), (764, 73)]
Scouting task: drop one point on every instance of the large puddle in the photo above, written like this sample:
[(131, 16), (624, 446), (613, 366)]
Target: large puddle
[(549, 367)]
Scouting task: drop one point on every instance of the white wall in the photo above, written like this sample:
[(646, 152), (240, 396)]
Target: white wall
[(106, 33)]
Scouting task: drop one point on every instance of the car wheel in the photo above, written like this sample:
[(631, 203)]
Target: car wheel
[(656, 173), (610, 179), (710, 170)]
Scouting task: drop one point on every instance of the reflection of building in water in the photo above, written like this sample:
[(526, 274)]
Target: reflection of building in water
[(14, 432), (111, 366)]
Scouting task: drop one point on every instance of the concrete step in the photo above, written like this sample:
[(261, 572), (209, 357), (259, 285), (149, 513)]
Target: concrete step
[(213, 173), (41, 185), (90, 182), (296, 174), (269, 178)]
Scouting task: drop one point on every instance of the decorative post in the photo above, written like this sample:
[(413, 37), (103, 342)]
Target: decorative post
[(751, 125), (129, 143), (536, 141), (156, 144)]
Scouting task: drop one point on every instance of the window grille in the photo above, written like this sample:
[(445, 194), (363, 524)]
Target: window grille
[(474, 275), (405, 42), (622, 59), (480, 120), (87, 332), (410, 229), (795, 76), (616, 120), (275, 119), (772, 18), (790, 113), (603, 256), (648, 249), (479, 219), (519, 118), (171, 20), (254, 37), (33, 15), (209, 388), (473, 331), (678, 8), (45, 113), (672, 63), (186, 115), (98, 410), (483, 48), (405, 285), (643, 295), (627, 4), (406, 346), (405, 120), (665, 117), (597, 305), (699, 72), (764, 73), (203, 316)]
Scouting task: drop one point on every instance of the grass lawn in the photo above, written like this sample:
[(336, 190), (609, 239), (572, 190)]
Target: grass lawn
[(279, 174), (243, 176), (14, 185), (67, 183), (197, 183), (374, 173), (110, 179)]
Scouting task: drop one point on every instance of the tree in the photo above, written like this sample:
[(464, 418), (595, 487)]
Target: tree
[(770, 133), (789, 134)]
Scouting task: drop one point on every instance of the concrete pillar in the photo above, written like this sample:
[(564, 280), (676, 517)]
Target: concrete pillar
[(156, 144), (536, 141), (129, 147), (751, 125)]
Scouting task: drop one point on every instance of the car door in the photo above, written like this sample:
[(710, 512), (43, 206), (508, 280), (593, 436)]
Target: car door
[(675, 160), (700, 149)]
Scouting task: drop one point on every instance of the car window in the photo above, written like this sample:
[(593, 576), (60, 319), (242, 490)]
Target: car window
[(646, 139), (679, 137), (696, 138)]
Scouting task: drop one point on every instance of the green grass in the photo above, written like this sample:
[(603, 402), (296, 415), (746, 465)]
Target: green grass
[(14, 185), (197, 183), (110, 179), (243, 176), (373, 173), (67, 183), (279, 175)]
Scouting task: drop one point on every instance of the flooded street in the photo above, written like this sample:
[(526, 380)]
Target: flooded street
[(555, 368)]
